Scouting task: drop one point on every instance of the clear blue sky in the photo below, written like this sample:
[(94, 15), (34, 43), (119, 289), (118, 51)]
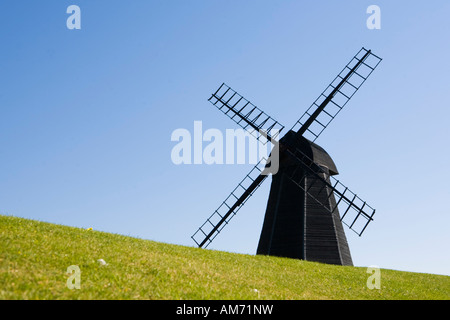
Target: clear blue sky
[(86, 115)]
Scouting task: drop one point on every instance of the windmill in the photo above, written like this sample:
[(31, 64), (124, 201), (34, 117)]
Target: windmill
[(307, 205)]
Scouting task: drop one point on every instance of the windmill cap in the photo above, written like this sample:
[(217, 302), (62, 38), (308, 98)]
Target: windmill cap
[(312, 150)]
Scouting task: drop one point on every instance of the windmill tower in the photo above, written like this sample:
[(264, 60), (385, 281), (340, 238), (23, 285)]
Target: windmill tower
[(307, 206)]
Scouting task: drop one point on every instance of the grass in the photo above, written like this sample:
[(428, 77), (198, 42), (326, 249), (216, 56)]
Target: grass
[(35, 256)]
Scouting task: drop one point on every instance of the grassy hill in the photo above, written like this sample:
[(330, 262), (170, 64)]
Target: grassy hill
[(35, 256)]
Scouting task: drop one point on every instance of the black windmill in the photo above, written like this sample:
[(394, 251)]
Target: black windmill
[(307, 205)]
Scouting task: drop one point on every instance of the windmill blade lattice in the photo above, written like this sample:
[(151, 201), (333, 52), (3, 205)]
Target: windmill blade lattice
[(246, 114), (230, 206), (355, 212), (333, 99)]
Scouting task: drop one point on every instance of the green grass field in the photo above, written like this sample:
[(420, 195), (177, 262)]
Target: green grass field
[(35, 256)]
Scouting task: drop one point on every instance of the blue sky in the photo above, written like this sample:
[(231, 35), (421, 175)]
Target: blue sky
[(86, 115)]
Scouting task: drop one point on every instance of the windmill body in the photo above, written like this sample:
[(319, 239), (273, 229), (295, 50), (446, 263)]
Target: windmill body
[(307, 205), (295, 224)]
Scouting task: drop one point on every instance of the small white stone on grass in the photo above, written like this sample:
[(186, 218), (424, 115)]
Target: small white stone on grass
[(102, 262)]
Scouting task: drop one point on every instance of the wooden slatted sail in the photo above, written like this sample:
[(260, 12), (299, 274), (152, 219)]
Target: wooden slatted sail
[(230, 206), (355, 212), (246, 114), (333, 99)]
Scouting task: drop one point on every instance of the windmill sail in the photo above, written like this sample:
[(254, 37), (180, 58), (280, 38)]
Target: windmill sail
[(245, 114), (230, 206), (331, 101), (356, 213)]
